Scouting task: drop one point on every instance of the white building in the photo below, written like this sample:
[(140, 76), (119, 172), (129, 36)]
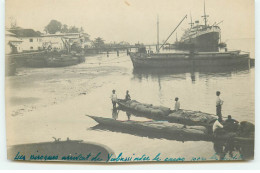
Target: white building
[(35, 41), (12, 43), (31, 40)]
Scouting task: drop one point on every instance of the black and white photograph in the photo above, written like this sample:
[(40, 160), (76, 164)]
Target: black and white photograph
[(130, 81)]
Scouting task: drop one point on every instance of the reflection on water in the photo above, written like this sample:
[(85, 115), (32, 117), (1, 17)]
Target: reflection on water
[(193, 71), (196, 87)]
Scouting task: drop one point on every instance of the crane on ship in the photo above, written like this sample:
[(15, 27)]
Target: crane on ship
[(185, 17)]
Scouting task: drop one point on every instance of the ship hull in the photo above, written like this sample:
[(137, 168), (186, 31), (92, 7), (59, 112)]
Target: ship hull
[(188, 60), (203, 43)]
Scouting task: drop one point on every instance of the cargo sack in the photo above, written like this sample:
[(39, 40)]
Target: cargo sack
[(166, 111), (193, 117), (133, 104), (157, 112), (140, 108), (246, 129)]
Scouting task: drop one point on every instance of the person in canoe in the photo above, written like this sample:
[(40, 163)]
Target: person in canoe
[(219, 104), (230, 124), (217, 126), (127, 96), (177, 104), (113, 98)]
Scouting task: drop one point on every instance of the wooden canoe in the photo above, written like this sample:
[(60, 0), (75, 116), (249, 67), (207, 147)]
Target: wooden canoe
[(170, 131), (176, 130)]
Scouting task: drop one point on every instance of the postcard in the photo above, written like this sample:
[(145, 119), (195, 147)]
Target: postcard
[(126, 81)]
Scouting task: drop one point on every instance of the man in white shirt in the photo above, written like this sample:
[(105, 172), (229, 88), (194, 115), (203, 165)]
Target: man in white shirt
[(113, 98), (177, 104), (219, 104), (217, 125)]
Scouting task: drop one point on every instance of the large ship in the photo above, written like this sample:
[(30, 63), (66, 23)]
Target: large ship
[(201, 37), (202, 42)]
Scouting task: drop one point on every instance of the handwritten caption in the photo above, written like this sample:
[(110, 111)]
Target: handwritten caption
[(120, 158)]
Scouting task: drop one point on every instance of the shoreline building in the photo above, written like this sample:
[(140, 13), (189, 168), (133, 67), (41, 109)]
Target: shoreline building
[(31, 40), (28, 40), (12, 43)]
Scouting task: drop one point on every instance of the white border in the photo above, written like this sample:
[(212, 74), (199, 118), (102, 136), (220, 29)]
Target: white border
[(5, 164)]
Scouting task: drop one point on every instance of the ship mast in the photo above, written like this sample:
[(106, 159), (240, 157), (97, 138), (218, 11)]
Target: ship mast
[(205, 16), (191, 23), (157, 48)]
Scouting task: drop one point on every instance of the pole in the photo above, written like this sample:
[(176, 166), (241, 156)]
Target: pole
[(172, 32), (157, 48), (205, 16)]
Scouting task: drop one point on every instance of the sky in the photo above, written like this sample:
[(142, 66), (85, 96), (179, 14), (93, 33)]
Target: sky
[(134, 20)]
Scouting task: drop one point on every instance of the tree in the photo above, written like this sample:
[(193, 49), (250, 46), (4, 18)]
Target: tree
[(64, 28), (86, 37), (73, 29), (53, 27), (98, 43)]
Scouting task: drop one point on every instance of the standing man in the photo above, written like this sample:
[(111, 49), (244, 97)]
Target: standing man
[(114, 98), (177, 104), (219, 104)]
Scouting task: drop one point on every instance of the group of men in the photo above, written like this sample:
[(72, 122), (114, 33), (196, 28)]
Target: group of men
[(229, 124), (114, 97)]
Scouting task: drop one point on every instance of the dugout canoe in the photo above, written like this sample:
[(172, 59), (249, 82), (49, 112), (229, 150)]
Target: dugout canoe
[(179, 131), (187, 117), (172, 131)]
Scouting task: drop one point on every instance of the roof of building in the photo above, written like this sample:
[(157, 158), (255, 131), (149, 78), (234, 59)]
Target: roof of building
[(61, 34), (25, 32), (9, 33)]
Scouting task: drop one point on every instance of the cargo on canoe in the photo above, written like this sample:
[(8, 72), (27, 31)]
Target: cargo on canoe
[(188, 117)]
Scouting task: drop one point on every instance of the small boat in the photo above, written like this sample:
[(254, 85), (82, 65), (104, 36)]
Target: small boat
[(177, 130), (68, 150), (173, 131), (187, 117), (36, 62), (141, 59), (64, 60)]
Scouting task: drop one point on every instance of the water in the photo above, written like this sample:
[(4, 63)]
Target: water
[(52, 102)]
